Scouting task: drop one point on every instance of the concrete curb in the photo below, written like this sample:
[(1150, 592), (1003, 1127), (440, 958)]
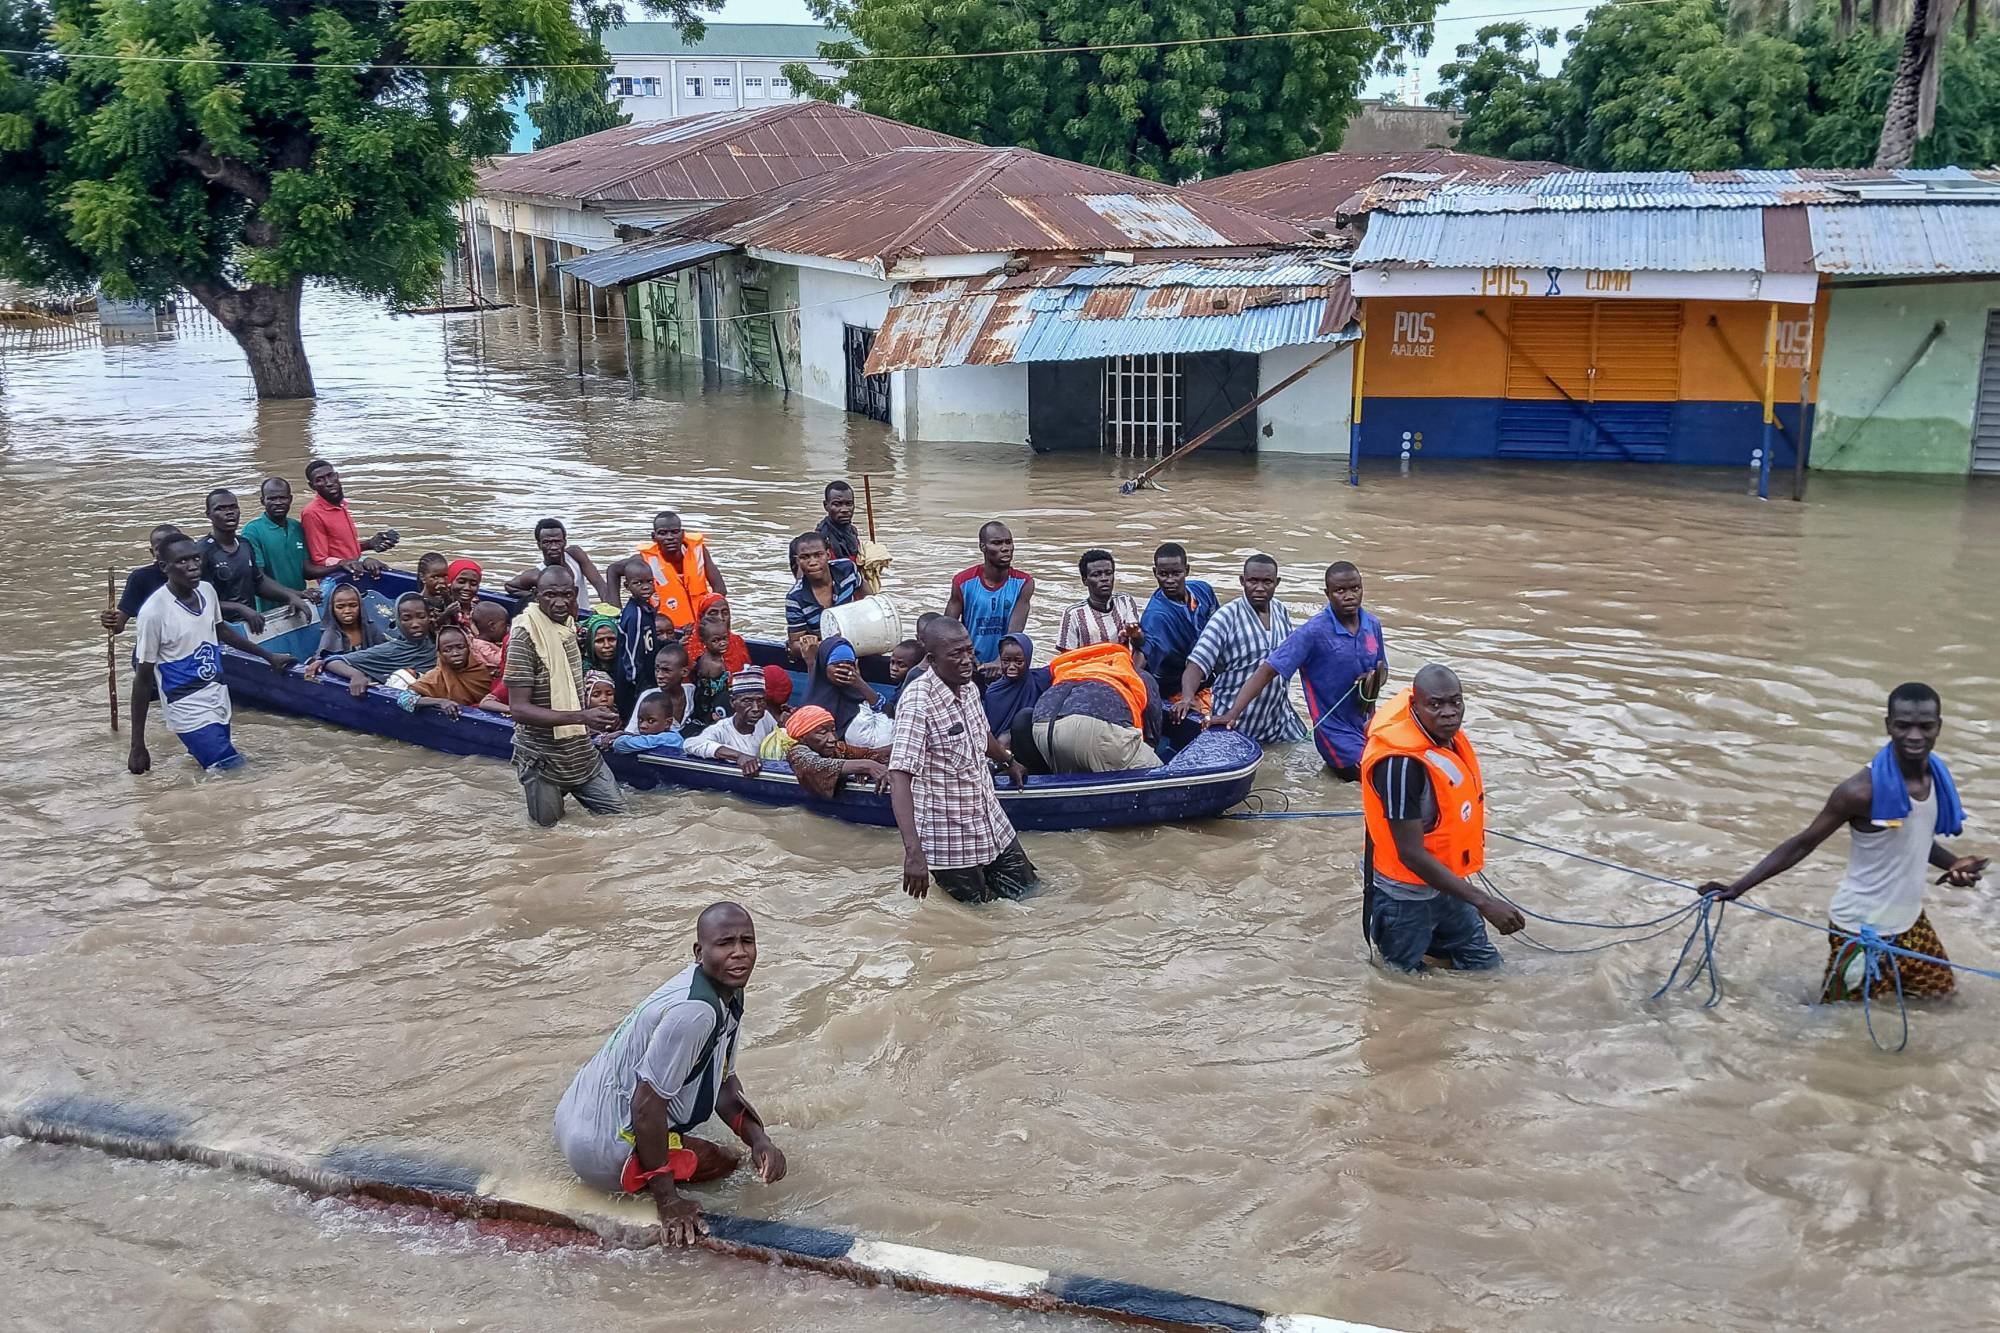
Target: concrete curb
[(462, 1190)]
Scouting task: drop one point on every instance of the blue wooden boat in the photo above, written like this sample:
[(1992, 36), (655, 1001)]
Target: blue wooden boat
[(1213, 773)]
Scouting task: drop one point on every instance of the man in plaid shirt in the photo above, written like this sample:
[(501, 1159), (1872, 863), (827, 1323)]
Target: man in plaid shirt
[(941, 782)]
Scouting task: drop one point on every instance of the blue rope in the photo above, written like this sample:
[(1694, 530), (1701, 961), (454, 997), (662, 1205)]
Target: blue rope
[(1873, 950), (1296, 814), (1831, 931), (1707, 929), (1665, 923)]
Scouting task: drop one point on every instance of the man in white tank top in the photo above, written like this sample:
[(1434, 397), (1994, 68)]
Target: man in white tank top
[(1895, 810), (553, 540)]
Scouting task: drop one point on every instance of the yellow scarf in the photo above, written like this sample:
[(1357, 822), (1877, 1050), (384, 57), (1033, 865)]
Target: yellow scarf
[(552, 644)]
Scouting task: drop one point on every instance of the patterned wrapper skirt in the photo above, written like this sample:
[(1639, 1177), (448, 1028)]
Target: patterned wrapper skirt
[(1921, 980)]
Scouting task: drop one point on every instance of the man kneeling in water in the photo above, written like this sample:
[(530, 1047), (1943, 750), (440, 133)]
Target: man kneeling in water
[(670, 1065)]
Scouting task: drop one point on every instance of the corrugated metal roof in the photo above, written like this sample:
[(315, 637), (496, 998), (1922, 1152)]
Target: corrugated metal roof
[(1321, 188), (1892, 239), (961, 200), (720, 41), (1593, 190), (1678, 240), (1082, 312), (706, 159), (646, 258)]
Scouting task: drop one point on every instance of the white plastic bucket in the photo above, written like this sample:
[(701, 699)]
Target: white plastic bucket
[(871, 625)]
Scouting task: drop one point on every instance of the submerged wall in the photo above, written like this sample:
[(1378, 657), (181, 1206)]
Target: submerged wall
[(1893, 397)]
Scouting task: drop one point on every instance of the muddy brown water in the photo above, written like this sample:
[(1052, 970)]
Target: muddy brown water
[(1177, 1067)]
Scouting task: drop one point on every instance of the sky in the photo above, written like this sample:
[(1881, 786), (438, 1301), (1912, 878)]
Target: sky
[(1457, 21)]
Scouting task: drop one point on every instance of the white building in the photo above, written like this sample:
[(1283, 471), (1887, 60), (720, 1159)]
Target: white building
[(996, 294), (656, 74)]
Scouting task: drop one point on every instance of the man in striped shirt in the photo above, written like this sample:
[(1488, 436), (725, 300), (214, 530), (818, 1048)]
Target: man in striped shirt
[(1235, 642), (1105, 615)]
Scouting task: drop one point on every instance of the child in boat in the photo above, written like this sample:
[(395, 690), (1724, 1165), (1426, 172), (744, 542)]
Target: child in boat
[(638, 634), (778, 698), (489, 634), (739, 735), (653, 731), (435, 585), (817, 757), (347, 630), (598, 691), (710, 678), (670, 681)]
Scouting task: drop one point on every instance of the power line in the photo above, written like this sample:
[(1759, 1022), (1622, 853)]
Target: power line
[(1166, 44)]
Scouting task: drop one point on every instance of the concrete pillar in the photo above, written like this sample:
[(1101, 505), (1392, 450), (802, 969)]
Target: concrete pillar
[(546, 269), (517, 249), (499, 248)]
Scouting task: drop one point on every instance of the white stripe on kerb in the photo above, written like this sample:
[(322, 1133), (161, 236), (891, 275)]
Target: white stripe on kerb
[(1312, 1323), (952, 1270)]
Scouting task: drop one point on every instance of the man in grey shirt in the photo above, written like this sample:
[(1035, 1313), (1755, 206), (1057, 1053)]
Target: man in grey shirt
[(670, 1066)]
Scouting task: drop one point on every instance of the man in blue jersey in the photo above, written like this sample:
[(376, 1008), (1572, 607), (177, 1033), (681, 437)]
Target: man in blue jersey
[(179, 658), (1345, 661), (622, 1126), (991, 598), (1174, 618)]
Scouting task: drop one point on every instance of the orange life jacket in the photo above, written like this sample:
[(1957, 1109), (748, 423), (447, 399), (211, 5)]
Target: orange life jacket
[(677, 588), (1459, 840), (1107, 664)]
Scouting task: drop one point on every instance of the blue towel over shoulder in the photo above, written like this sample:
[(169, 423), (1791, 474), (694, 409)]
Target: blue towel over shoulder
[(1891, 800)]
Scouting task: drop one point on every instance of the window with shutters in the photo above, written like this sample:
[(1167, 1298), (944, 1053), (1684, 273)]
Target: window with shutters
[(756, 328)]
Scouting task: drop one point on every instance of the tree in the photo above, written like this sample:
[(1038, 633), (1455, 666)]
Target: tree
[(1157, 110), (239, 150), (561, 114), (1511, 109)]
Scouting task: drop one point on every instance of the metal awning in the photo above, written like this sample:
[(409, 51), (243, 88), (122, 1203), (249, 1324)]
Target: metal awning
[(638, 260)]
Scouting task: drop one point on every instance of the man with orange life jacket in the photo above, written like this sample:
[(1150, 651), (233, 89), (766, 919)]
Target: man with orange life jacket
[(1097, 715), (683, 571), (1425, 807)]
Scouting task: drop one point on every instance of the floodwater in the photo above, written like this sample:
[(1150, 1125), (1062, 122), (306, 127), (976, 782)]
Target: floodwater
[(1176, 1067)]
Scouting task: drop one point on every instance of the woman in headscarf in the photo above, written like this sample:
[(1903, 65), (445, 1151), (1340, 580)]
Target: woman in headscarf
[(346, 629), (835, 684), (457, 681), (817, 758), (461, 577), (598, 638), (713, 609), (1018, 685)]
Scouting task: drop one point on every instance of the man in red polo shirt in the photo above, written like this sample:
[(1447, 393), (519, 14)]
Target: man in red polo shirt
[(332, 541)]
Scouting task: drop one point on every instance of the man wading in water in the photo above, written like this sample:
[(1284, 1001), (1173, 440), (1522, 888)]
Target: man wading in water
[(671, 1064), (1425, 806), (1895, 810)]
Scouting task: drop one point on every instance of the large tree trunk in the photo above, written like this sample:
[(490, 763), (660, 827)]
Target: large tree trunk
[(1913, 97), (264, 320)]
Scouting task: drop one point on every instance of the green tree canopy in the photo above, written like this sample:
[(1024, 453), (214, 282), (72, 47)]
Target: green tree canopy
[(1691, 86), (1165, 112), (238, 150)]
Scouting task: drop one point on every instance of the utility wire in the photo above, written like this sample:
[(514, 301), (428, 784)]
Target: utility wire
[(1166, 44)]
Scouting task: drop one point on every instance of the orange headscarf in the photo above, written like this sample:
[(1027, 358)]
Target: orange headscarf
[(737, 655)]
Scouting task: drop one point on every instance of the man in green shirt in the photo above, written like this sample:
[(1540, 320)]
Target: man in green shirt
[(280, 543)]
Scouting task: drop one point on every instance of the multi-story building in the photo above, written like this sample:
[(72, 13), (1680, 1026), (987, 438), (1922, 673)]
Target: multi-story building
[(659, 75)]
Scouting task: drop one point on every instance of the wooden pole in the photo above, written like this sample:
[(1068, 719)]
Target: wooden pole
[(1770, 403), (868, 498), (111, 646), (1198, 441), (1354, 429)]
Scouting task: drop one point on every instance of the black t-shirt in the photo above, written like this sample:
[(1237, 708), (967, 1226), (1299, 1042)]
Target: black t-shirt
[(140, 584), (234, 573), (1403, 782)]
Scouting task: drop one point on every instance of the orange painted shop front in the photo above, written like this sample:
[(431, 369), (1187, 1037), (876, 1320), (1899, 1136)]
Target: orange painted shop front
[(1607, 379)]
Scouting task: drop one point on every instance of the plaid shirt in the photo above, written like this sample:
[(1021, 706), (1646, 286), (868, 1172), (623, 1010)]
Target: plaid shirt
[(941, 743)]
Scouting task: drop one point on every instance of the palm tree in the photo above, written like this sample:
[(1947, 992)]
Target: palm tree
[(1913, 96), (1912, 109)]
